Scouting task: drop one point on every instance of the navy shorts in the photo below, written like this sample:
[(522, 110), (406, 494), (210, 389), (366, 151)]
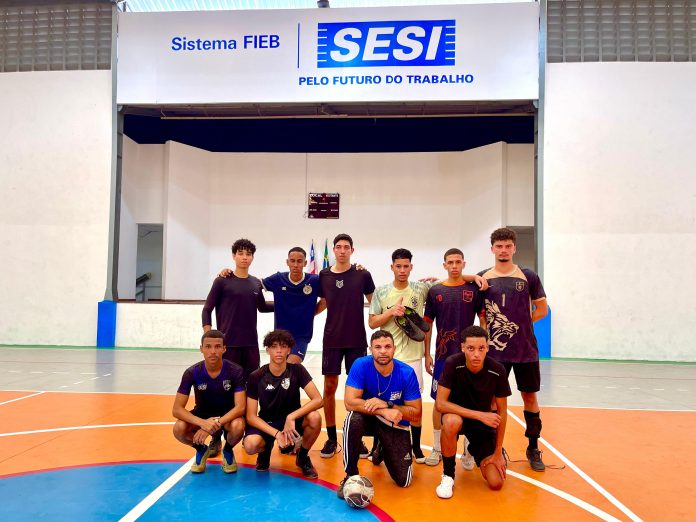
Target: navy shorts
[(300, 348)]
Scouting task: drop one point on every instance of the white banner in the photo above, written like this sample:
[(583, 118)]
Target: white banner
[(434, 53)]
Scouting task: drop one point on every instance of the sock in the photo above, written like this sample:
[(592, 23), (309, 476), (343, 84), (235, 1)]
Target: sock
[(436, 440), (448, 465), (227, 448), (533, 431), (416, 437), (200, 447), (331, 431), (302, 454)]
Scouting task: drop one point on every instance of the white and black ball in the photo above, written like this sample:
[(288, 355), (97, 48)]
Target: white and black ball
[(358, 491)]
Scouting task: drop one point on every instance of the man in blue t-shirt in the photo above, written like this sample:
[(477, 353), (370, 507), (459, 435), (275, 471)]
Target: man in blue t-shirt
[(218, 385), (382, 396)]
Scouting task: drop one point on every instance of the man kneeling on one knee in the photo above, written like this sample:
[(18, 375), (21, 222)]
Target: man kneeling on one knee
[(466, 389), (382, 395)]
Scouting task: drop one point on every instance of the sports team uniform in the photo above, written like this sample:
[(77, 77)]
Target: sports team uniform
[(236, 300), (453, 308), (214, 397), (400, 386), (294, 306), (414, 295), (344, 332), (475, 391), (508, 302), (277, 397)]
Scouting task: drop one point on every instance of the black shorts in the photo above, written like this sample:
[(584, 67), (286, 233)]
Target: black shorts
[(481, 439), (527, 375), (331, 359), (247, 357), (279, 424)]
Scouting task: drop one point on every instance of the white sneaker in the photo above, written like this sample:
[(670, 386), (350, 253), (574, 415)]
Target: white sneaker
[(467, 460), (444, 490), (434, 458)]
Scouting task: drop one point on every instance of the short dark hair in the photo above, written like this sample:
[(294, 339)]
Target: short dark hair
[(278, 336), (402, 253), (213, 334), (379, 334), (343, 237), (453, 251), (503, 234), (474, 331), (297, 249), (243, 244)]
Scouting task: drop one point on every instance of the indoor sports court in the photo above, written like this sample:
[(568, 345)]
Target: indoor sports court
[(139, 139)]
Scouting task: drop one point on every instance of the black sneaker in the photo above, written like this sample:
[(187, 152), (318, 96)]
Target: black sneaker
[(534, 458), (330, 449), (377, 454), (339, 491), (306, 467), (410, 329), (263, 461), (215, 445), (287, 449), (363, 451), (417, 320)]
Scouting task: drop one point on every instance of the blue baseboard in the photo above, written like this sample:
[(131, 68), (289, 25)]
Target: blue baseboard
[(542, 331), (106, 324)]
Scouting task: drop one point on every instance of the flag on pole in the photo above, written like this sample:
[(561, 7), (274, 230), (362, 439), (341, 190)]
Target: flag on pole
[(312, 266), (326, 253)]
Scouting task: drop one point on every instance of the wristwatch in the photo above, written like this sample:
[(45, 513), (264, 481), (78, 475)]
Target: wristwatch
[(390, 404)]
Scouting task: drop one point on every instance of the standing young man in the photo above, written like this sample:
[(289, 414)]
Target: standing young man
[(235, 300), (274, 411), (470, 381), (342, 288), (381, 397), (218, 386), (515, 299), (388, 303), (453, 305)]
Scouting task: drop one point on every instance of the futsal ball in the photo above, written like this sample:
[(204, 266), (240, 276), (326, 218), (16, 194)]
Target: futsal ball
[(358, 491)]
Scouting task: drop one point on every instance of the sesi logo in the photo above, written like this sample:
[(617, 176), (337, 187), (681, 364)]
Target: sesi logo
[(386, 43)]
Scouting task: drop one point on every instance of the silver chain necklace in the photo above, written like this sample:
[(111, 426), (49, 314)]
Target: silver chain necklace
[(380, 391)]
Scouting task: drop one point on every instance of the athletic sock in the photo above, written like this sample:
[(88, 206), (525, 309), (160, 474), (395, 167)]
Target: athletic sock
[(533, 431), (448, 465), (302, 454), (200, 447), (331, 432), (416, 436), (227, 447), (436, 440)]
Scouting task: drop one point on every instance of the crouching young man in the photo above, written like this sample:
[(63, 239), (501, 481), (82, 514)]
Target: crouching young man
[(382, 396), (274, 411), (466, 389), (218, 386)]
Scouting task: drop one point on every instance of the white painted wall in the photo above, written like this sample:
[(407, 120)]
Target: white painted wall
[(620, 209), (55, 171), (519, 183), (427, 202)]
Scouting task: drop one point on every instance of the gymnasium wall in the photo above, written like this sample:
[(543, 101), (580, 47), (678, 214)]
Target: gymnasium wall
[(427, 202), (620, 209), (55, 171)]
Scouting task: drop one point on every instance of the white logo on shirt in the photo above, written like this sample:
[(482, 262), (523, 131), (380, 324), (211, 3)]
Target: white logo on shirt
[(307, 289), (227, 385), (270, 387), (339, 284), (203, 387), (395, 395), (285, 383)]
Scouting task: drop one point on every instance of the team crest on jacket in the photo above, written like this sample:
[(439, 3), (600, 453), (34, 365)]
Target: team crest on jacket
[(519, 286), (227, 385), (467, 296), (285, 383), (203, 387), (339, 284), (307, 289)]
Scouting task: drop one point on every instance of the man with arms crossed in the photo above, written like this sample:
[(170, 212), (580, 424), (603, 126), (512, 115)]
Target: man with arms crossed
[(274, 411), (453, 305), (515, 299), (342, 288), (218, 386), (469, 382), (381, 397)]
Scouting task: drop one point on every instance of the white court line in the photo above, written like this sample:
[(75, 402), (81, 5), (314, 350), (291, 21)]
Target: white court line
[(90, 427), (611, 498), (555, 491), (21, 398), (157, 493)]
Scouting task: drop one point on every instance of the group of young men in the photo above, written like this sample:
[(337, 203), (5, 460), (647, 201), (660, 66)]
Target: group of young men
[(238, 400)]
